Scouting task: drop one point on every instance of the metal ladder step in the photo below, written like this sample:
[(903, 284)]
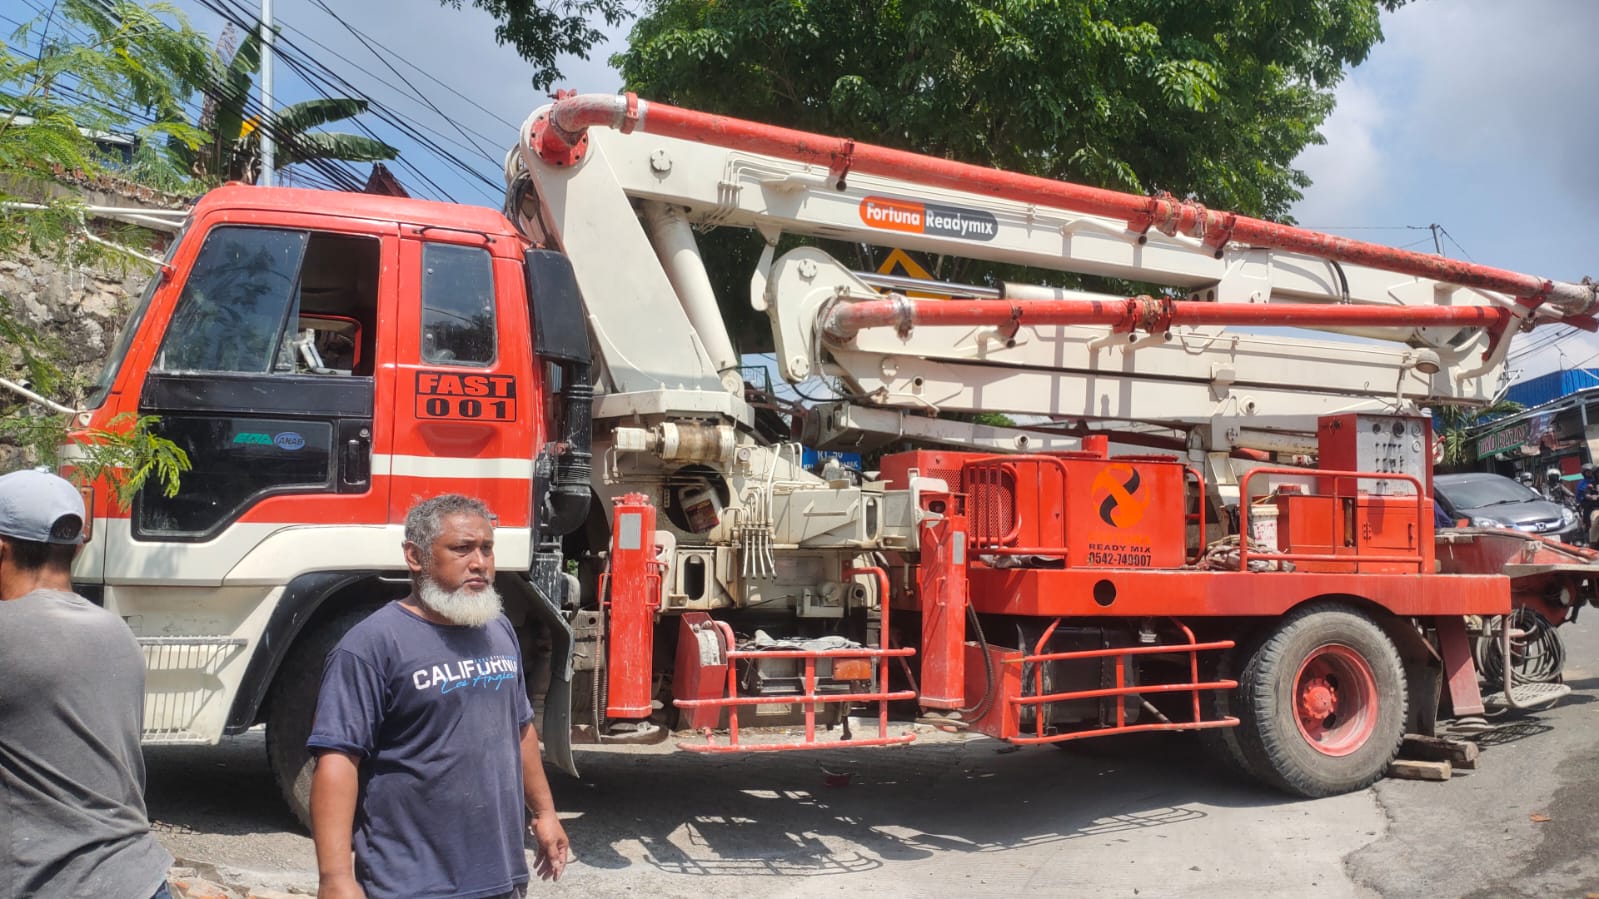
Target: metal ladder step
[(1528, 696)]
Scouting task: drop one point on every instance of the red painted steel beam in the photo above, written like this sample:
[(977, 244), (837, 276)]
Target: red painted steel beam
[(571, 116), (844, 321), (1162, 593), (942, 589), (788, 747), (1460, 667), (634, 598)]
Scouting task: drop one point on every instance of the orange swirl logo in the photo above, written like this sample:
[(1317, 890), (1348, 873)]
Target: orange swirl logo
[(1115, 489)]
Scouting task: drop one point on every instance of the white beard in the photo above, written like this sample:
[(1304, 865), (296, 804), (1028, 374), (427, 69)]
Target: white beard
[(469, 608)]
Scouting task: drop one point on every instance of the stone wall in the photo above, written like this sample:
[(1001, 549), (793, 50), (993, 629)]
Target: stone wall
[(78, 309)]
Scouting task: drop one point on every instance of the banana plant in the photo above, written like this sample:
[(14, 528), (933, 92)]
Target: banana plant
[(233, 152)]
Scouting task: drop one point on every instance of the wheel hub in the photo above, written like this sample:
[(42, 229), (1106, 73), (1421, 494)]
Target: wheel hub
[(1318, 699), (1335, 699)]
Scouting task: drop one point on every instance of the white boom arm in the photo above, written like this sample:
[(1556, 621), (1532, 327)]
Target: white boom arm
[(622, 202)]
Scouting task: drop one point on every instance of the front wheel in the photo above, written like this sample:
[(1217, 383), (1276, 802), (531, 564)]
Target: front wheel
[(1321, 702), (291, 707)]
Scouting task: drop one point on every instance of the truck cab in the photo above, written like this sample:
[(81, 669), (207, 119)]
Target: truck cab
[(324, 365)]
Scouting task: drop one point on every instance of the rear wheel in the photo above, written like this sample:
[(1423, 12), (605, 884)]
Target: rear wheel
[(292, 707), (1221, 743), (1321, 702)]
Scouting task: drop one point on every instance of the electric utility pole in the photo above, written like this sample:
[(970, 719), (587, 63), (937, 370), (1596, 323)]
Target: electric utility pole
[(267, 117)]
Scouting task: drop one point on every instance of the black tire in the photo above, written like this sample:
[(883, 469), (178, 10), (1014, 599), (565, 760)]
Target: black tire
[(1221, 743), (291, 706), (1321, 702)]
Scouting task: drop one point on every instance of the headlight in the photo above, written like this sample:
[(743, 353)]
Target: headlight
[(1485, 523), (1567, 518)]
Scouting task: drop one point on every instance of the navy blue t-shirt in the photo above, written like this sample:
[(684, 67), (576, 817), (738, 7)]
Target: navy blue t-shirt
[(435, 712)]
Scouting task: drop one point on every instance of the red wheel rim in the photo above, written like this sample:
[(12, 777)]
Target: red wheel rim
[(1335, 700)]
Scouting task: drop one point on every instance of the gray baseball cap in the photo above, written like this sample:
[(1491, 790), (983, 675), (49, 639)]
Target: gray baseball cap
[(39, 506)]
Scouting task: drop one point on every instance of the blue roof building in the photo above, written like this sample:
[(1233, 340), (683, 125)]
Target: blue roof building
[(1552, 386)]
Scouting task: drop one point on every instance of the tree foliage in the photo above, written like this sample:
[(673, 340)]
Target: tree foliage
[(1456, 426), (128, 454), (1208, 99), (541, 30), (232, 150), (100, 65), (1204, 99)]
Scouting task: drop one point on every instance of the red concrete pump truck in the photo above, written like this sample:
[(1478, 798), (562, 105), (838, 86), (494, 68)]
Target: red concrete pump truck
[(1191, 525)]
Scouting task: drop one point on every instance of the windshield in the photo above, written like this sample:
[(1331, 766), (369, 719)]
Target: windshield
[(113, 362), (1479, 492)]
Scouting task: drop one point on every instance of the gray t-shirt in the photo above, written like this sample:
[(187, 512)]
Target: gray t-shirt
[(72, 817)]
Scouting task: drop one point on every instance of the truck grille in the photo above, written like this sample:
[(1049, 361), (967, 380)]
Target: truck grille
[(181, 675)]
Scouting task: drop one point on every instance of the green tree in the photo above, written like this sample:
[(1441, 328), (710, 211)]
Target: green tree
[(1454, 426), (1208, 99), (1205, 99), (541, 30), (232, 151), (100, 64)]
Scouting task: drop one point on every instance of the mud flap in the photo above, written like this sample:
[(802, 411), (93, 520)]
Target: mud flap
[(556, 733)]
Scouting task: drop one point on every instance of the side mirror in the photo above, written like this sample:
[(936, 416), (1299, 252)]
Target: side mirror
[(555, 306)]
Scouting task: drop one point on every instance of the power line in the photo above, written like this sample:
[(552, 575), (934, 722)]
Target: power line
[(1586, 360), (367, 43), (289, 54), (414, 67), (470, 146), (324, 75), (1542, 340), (329, 173), (1359, 227), (323, 81), (320, 77), (1456, 243)]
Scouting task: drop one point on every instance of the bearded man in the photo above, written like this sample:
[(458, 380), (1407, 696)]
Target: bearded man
[(424, 739)]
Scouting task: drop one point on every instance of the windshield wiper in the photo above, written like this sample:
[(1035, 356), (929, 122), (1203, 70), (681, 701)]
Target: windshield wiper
[(1502, 502)]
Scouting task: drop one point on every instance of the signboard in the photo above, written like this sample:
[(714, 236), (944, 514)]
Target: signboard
[(1520, 434)]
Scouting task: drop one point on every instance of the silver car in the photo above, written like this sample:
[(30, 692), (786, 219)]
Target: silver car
[(1493, 501)]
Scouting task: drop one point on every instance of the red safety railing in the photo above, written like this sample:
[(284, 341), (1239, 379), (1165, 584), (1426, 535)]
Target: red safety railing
[(810, 698), (1335, 510), (1192, 475), (1121, 688)]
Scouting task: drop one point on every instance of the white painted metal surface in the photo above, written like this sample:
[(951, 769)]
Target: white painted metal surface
[(1186, 376)]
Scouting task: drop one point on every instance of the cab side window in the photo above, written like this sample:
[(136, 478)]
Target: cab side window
[(235, 305), (457, 305), (275, 301), (265, 376)]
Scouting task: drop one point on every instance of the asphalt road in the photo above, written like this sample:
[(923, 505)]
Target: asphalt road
[(947, 815)]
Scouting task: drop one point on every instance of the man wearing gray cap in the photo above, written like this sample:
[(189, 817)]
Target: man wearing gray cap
[(72, 817)]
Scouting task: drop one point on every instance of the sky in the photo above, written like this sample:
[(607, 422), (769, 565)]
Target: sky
[(1475, 115), (1478, 116)]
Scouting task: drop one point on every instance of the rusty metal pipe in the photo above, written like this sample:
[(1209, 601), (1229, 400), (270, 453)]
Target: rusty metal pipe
[(1155, 314), (572, 115)]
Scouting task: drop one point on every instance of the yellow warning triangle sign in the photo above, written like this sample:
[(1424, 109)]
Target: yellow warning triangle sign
[(904, 265)]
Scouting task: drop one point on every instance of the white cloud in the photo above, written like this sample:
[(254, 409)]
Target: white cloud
[(1348, 170), (1506, 86), (1477, 115)]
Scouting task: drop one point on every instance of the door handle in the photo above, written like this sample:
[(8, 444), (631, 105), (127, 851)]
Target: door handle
[(355, 460)]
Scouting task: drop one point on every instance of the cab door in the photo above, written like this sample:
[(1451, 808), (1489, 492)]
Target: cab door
[(268, 376), (469, 417)]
